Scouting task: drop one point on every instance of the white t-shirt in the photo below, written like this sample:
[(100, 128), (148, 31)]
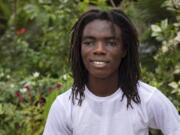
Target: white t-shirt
[(110, 116)]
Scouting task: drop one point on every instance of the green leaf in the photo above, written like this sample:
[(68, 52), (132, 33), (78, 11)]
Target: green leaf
[(164, 24), (156, 28), (5, 9), (1, 109)]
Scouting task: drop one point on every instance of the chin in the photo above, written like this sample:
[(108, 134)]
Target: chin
[(100, 75)]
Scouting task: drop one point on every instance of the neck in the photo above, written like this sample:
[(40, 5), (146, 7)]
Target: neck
[(103, 87)]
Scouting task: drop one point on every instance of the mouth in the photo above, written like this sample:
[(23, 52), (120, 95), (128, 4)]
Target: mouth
[(99, 64)]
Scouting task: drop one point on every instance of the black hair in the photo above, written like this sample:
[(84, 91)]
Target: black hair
[(129, 69)]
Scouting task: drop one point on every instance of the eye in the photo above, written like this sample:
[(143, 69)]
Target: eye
[(88, 43), (111, 43)]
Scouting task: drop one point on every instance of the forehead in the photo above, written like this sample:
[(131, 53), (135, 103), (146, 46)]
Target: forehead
[(101, 28)]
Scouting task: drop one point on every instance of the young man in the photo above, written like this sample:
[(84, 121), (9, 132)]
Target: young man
[(107, 97)]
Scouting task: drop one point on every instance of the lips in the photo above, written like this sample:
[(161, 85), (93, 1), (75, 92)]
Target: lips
[(99, 64)]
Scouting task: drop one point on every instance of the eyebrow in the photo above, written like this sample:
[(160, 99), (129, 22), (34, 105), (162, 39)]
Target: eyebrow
[(92, 37)]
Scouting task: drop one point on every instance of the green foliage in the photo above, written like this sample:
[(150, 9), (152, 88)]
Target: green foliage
[(34, 47), (24, 105), (38, 37), (34, 60), (167, 72)]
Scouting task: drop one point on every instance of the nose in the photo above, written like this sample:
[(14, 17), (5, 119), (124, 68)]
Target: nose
[(99, 49)]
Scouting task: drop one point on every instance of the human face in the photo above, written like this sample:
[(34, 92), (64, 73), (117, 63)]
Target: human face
[(102, 49)]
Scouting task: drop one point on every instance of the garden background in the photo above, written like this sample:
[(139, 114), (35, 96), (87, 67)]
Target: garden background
[(34, 48)]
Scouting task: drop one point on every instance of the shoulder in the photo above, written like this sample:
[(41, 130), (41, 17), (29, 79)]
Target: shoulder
[(64, 98), (61, 107), (58, 121), (62, 103), (146, 92), (158, 109), (152, 95), (154, 101)]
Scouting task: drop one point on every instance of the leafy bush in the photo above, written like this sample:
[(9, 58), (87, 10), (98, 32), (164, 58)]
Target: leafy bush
[(166, 74), (37, 37), (24, 105)]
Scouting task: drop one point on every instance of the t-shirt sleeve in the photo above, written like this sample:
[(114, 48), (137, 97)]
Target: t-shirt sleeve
[(56, 123), (163, 115)]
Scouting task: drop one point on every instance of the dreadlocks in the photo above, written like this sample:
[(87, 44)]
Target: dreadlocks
[(129, 70)]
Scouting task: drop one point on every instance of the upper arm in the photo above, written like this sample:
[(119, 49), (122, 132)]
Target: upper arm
[(163, 115), (56, 123)]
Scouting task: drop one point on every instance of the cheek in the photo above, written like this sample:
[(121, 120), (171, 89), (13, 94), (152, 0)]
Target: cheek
[(117, 62), (117, 58), (84, 56)]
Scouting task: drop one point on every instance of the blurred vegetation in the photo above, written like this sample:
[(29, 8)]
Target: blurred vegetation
[(34, 48)]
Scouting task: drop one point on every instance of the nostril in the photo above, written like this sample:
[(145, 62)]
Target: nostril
[(99, 49), (99, 53)]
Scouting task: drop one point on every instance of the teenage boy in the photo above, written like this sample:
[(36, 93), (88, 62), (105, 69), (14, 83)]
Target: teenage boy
[(107, 97)]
